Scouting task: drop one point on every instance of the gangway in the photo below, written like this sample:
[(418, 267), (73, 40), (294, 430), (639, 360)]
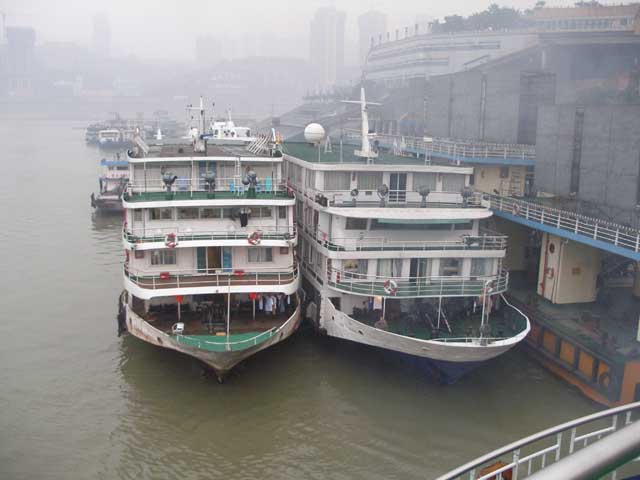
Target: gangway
[(609, 236), (604, 444)]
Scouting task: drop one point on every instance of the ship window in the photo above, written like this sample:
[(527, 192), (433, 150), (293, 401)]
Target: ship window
[(210, 212), (282, 212), (187, 213), (480, 266), (227, 213), (356, 224), (310, 178), (450, 267), (452, 182), (161, 214), (463, 226), (137, 215), (337, 181), (504, 172), (369, 180), (262, 212), (389, 267), (260, 255), (424, 180), (163, 257)]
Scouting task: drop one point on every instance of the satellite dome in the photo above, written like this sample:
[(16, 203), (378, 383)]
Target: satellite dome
[(314, 133)]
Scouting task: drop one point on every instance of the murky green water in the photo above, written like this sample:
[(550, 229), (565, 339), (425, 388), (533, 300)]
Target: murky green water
[(76, 401)]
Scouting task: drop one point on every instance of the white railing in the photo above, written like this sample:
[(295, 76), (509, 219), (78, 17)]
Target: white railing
[(213, 277), (151, 235), (242, 344), (454, 149), (594, 228), (534, 453), (424, 286), (405, 198), (357, 244), (188, 184)]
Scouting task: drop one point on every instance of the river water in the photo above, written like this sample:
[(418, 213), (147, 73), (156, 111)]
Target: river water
[(77, 401)]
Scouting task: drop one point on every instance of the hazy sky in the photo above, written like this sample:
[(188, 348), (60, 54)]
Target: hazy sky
[(157, 28)]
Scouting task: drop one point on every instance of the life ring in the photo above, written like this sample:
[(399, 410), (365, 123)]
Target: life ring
[(171, 240), (390, 287), (255, 238)]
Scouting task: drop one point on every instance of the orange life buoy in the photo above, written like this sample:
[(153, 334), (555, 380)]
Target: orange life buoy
[(255, 238), (390, 287)]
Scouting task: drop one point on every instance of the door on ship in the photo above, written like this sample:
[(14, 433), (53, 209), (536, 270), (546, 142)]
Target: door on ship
[(209, 259), (418, 268), (398, 188)]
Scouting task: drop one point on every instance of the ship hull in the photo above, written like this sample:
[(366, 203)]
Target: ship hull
[(107, 203), (220, 362), (450, 359)]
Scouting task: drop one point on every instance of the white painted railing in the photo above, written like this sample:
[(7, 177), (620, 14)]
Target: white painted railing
[(593, 228), (532, 454), (357, 244), (425, 286), (154, 235), (455, 149), (197, 184), (220, 277)]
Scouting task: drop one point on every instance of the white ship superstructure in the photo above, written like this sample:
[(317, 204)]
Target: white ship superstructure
[(209, 235), (394, 255)]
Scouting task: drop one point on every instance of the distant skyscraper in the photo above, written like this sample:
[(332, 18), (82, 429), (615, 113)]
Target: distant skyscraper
[(101, 40), (326, 53), (371, 24)]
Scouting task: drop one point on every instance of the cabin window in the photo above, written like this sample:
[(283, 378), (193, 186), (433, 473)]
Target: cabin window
[(310, 179), (504, 172), (389, 267), (163, 257), (137, 215), (356, 224), (187, 213), (227, 213), (377, 225), (206, 213), (463, 226), (261, 212), (480, 267), (369, 180), (424, 180), (260, 255), (337, 180), (161, 214), (282, 213), (450, 267)]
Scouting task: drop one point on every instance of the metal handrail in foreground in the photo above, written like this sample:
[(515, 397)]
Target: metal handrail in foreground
[(566, 441)]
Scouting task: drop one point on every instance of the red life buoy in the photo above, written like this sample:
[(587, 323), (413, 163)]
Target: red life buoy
[(255, 238), (171, 240), (390, 287)]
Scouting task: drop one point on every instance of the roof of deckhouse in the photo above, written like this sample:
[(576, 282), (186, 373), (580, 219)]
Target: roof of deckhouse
[(309, 153), (186, 152)]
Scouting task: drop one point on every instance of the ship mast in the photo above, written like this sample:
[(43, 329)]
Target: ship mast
[(365, 150)]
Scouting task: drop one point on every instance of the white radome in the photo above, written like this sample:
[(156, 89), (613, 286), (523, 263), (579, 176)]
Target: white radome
[(314, 133)]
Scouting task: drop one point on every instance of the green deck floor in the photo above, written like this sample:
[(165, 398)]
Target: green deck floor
[(214, 343)]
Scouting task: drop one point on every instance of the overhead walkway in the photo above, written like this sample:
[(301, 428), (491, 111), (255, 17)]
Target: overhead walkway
[(611, 237)]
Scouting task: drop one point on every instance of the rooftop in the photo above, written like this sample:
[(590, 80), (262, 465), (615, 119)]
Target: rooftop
[(186, 151)]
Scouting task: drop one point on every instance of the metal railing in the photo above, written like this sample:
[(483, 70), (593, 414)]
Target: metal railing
[(594, 228), (357, 244), (221, 277), (454, 149), (197, 187), (426, 286), (406, 198), (527, 456), (157, 235)]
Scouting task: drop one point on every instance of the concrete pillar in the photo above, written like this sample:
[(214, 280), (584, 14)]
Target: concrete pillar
[(636, 280)]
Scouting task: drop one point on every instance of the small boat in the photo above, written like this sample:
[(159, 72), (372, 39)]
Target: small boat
[(112, 183)]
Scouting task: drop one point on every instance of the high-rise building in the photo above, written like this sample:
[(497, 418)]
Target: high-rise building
[(371, 25), (101, 39), (326, 53)]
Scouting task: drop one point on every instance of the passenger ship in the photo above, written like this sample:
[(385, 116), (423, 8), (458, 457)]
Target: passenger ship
[(393, 254), (209, 237)]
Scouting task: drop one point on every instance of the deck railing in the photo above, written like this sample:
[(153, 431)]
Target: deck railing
[(454, 149), (571, 222), (406, 198), (532, 454), (156, 235), (185, 188), (380, 244), (426, 286), (221, 277)]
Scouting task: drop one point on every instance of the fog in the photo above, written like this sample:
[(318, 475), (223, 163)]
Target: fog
[(167, 29)]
